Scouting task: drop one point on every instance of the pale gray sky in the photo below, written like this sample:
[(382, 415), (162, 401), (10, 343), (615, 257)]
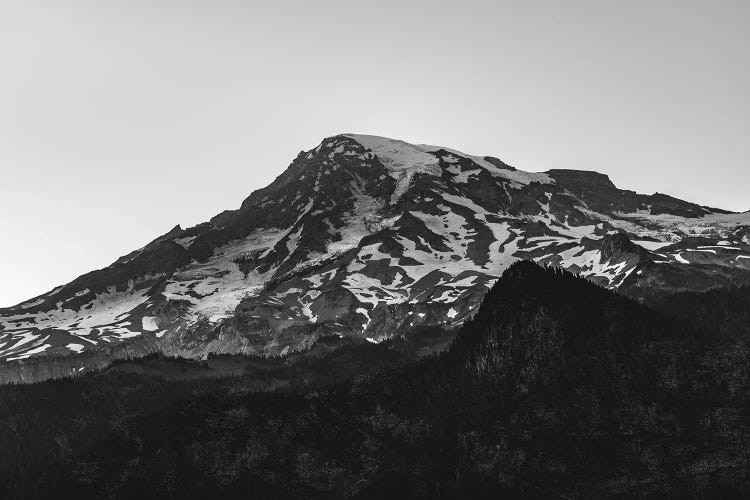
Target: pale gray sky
[(120, 119)]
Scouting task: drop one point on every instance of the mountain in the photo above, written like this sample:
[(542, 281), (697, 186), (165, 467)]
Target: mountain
[(556, 388), (367, 237)]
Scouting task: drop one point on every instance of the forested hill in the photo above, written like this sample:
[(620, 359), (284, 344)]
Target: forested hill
[(555, 388)]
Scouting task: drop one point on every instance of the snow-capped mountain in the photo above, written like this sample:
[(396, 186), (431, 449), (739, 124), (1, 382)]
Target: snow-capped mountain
[(368, 237)]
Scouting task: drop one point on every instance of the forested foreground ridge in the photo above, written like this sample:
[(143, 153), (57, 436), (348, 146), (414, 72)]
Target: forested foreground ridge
[(556, 388)]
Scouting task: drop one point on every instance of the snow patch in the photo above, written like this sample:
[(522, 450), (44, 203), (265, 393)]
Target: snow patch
[(149, 323), (185, 242), (77, 348), (678, 258)]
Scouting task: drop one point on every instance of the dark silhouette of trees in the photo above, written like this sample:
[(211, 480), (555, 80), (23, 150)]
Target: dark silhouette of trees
[(556, 388)]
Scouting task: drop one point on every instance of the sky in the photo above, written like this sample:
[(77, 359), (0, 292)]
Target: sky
[(120, 119)]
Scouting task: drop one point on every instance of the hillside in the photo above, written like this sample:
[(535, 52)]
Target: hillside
[(557, 388)]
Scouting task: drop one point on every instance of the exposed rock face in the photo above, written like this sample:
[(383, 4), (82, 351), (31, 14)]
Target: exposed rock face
[(600, 194), (369, 237)]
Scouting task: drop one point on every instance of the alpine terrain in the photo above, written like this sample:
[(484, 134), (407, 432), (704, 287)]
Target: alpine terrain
[(367, 238)]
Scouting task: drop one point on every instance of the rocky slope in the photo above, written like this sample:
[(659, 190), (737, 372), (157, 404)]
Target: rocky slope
[(369, 237)]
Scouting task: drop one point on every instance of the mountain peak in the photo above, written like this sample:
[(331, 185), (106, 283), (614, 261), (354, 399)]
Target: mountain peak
[(366, 236), (403, 160)]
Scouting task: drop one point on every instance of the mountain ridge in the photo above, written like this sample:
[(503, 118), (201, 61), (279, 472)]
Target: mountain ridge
[(368, 236)]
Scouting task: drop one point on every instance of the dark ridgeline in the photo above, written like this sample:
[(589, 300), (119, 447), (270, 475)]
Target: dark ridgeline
[(556, 388)]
